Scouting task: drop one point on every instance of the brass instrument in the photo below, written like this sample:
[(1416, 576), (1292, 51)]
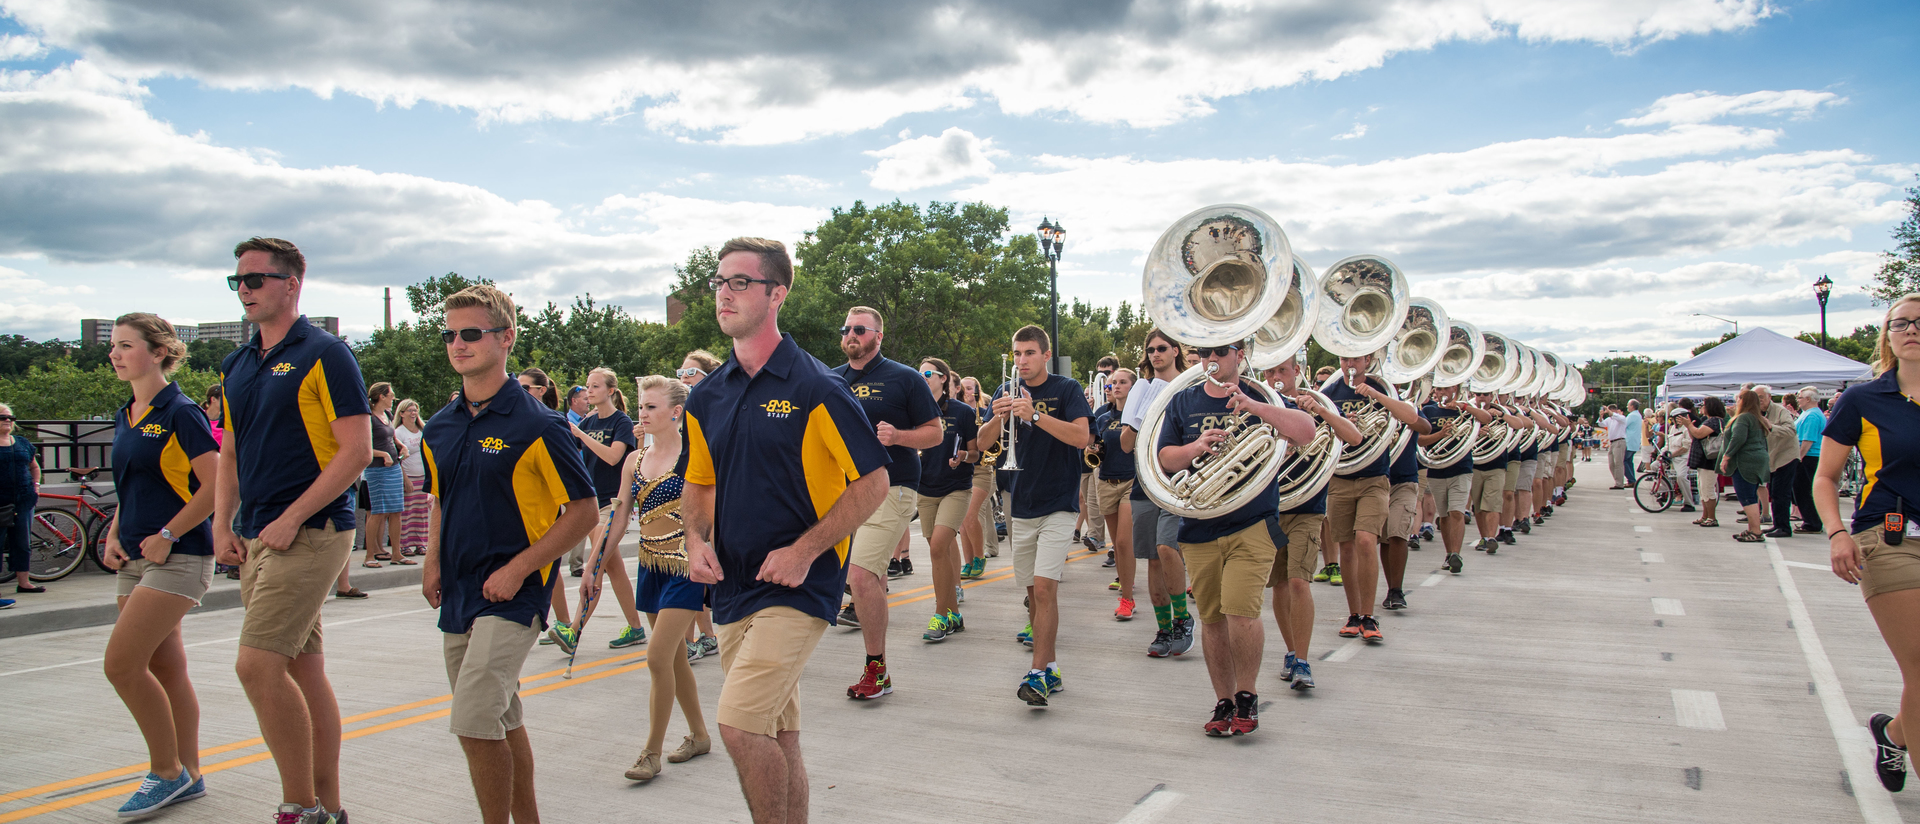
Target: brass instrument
[(1011, 373), (1309, 467), (1214, 278), (1364, 307)]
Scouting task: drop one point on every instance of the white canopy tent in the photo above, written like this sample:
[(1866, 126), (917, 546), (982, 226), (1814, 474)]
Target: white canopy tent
[(1762, 356)]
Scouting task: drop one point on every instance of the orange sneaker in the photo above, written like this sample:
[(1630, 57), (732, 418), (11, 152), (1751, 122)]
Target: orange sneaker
[(1352, 629), (1370, 628), (1125, 610)]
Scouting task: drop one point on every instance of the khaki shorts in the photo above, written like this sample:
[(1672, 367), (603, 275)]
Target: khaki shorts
[(1403, 510), (282, 591), (1488, 484), (1451, 494), (1229, 575), (1040, 546), (1528, 469), (1112, 494), (1357, 505), (875, 540), (1303, 545), (187, 576), (483, 665), (983, 475), (948, 510), (761, 657), (1887, 568), (1513, 477)]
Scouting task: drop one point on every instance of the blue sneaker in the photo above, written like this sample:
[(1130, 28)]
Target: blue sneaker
[(1025, 636), (6, 603), (1286, 670), (1033, 688), (1054, 684), (157, 792), (1302, 676)]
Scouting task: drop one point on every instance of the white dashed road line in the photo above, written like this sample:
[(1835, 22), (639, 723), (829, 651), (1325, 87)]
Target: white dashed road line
[(1668, 606), (1697, 710)]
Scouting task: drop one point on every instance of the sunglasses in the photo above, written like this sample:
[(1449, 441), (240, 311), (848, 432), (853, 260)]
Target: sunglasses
[(739, 283), (253, 280), (928, 373), (469, 334), (688, 373), (6, 417), (1158, 349), (1211, 351), (856, 330)]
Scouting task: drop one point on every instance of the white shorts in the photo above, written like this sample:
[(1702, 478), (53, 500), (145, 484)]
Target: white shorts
[(1040, 546)]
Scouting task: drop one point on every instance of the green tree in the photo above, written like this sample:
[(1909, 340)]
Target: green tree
[(1710, 344), (1900, 273), (1860, 345), (1618, 379), (62, 391), (209, 353)]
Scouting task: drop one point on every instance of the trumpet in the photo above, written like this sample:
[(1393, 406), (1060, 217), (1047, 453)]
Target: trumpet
[(1010, 372)]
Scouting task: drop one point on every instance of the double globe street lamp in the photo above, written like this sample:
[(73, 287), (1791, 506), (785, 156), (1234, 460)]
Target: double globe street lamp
[(1053, 239)]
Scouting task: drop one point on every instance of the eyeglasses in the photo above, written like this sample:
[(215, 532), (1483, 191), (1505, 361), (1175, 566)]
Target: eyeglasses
[(469, 334), (1211, 351), (856, 330), (739, 283), (1158, 349), (928, 373), (1900, 324), (253, 280), (688, 373)]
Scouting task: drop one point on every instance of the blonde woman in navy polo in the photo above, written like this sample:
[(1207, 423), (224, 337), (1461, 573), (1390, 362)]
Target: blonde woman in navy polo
[(164, 458), (1879, 549)]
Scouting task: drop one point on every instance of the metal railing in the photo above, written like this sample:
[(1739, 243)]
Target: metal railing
[(61, 445)]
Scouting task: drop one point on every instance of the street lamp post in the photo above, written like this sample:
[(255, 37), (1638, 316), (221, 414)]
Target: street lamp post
[(1052, 241), (1821, 289), (1736, 324)]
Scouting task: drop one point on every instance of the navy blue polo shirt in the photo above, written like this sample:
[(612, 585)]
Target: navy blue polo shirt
[(1884, 424), (1438, 416), (778, 447), (1115, 465), (1316, 505), (501, 475), (617, 428), (1351, 404), (153, 473), (280, 405), (1049, 476), (891, 391), (957, 427), (1189, 414)]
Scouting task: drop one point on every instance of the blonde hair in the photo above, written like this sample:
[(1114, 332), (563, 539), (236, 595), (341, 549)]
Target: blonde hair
[(676, 391), (480, 295), (400, 411), (707, 361), (159, 335), (613, 384), (872, 313), (1887, 359)]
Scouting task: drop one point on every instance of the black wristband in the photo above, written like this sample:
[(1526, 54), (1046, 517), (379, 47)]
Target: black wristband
[(1833, 533)]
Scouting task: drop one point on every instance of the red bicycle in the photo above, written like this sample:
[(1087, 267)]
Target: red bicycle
[(61, 539)]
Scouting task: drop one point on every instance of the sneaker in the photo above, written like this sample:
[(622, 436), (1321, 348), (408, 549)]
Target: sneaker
[(293, 814), (1352, 629), (628, 637), (1302, 676), (1506, 537), (1033, 688), (959, 594), (689, 749), (1334, 577), (1395, 600), (1109, 562), (694, 652), (966, 570), (1025, 636), (1221, 724), (955, 623), (645, 768), (1286, 670), (1182, 639), (937, 629), (1491, 546), (1453, 562), (1161, 640), (546, 641), (563, 637), (1426, 532), (6, 603), (709, 646), (1124, 612), (1091, 544), (157, 792), (1523, 526), (1778, 532), (1805, 528), (1054, 682), (1115, 586), (1888, 760), (1537, 521), (906, 566), (1325, 573), (1548, 509), (577, 573), (1370, 629), (893, 568), (1246, 712), (874, 682), (847, 618)]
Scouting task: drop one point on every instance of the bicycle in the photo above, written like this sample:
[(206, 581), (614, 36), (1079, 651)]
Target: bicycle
[(1661, 488), (62, 540)]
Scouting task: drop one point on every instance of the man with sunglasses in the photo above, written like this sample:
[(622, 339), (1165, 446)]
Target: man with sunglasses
[(1051, 413), (1156, 532), (906, 420), (297, 434), (1230, 556), (781, 466), (1357, 501)]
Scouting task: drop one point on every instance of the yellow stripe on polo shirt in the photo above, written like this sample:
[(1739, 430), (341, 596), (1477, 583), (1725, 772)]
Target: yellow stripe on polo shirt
[(176, 468), (828, 466), (699, 460), (539, 493), (1869, 447), (316, 411), (433, 468)]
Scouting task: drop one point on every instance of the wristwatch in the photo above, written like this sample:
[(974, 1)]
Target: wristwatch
[(1036, 416), (168, 534)]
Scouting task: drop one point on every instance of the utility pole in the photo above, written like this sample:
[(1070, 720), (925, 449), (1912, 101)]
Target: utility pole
[(389, 301)]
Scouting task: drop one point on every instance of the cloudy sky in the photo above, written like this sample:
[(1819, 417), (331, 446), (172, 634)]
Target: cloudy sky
[(1584, 174)]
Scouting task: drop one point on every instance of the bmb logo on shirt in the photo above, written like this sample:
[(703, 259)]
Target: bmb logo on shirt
[(1214, 422), (282, 368), (492, 446), (153, 430), (864, 391), (778, 409), (1046, 407)]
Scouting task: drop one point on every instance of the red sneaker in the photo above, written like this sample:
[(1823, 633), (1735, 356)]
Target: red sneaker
[(873, 683), (1125, 610), (1246, 713), (1221, 724)]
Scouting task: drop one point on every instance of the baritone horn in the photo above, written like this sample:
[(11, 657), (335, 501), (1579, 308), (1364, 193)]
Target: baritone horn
[(1214, 278)]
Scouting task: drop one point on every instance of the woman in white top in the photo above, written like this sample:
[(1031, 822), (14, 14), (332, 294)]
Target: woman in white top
[(413, 516)]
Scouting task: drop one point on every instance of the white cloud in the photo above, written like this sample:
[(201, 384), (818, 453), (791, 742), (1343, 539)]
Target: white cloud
[(824, 68), (1704, 107), (919, 162), (1359, 130), (20, 47)]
